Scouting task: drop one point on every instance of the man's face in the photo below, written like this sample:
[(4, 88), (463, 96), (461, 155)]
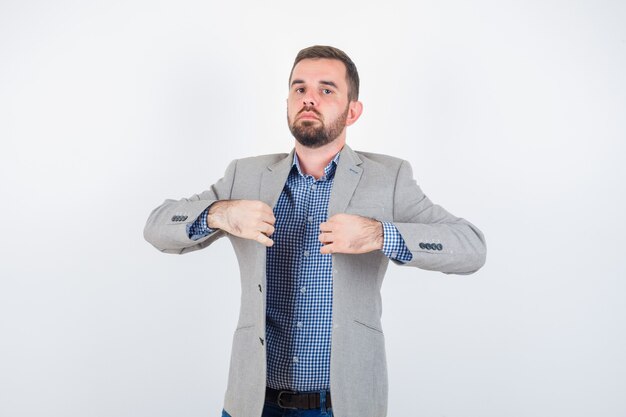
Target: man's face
[(317, 105)]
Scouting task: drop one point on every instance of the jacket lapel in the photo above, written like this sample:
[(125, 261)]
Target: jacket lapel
[(347, 177), (274, 178)]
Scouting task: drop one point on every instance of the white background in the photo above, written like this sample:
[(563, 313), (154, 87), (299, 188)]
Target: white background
[(511, 113)]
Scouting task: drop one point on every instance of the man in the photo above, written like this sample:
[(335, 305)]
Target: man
[(313, 231)]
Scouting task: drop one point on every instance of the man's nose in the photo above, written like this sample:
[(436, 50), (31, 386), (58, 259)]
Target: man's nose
[(309, 100)]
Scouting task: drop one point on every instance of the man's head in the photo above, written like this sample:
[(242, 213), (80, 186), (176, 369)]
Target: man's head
[(329, 52), (323, 96)]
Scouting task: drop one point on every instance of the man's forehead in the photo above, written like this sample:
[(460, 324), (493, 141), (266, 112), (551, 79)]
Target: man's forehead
[(314, 70)]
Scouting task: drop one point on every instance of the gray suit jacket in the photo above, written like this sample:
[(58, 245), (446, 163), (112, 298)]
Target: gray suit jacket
[(367, 184)]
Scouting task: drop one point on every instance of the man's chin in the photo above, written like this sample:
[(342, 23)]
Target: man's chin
[(312, 142), (310, 136)]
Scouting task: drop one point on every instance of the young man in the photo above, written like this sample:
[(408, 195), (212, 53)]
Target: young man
[(314, 231)]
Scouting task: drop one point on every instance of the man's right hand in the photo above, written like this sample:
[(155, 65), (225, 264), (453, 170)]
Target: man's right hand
[(249, 219)]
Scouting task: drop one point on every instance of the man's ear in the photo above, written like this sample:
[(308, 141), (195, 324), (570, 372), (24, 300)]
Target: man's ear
[(355, 108)]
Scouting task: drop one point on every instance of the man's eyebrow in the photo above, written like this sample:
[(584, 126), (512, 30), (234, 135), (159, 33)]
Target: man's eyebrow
[(330, 83)]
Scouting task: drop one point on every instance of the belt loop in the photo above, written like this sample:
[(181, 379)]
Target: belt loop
[(323, 401)]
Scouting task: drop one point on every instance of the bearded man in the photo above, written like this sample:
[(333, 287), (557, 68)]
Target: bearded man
[(314, 231)]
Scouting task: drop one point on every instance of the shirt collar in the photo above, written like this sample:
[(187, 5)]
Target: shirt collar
[(329, 171)]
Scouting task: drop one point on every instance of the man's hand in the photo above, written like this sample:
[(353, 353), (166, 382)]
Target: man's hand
[(249, 219), (348, 233)]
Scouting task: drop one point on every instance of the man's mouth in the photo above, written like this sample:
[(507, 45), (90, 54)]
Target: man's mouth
[(309, 116)]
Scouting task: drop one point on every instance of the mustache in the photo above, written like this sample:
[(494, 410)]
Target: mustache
[(310, 110)]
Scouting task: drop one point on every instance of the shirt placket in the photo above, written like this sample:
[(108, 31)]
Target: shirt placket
[(303, 280)]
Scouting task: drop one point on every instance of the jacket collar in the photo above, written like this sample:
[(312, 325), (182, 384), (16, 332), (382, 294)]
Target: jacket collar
[(347, 176)]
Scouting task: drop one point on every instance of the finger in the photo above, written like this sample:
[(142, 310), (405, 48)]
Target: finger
[(325, 237), (266, 229), (268, 217), (268, 214), (327, 249), (325, 227), (261, 238)]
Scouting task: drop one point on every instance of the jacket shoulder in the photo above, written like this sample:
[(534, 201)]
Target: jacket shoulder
[(260, 161), (380, 161)]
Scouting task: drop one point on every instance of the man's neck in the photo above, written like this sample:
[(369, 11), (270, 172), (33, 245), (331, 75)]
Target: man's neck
[(313, 160)]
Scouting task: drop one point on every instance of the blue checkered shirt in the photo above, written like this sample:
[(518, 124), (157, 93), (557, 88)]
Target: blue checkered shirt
[(299, 281)]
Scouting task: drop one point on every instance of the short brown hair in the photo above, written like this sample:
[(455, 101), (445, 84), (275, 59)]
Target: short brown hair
[(329, 52)]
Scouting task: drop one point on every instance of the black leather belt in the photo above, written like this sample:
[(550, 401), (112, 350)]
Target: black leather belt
[(296, 400)]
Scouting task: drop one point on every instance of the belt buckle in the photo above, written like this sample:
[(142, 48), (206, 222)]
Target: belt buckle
[(279, 399)]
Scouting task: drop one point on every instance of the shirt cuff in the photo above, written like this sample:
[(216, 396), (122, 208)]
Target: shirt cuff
[(199, 229), (393, 244)]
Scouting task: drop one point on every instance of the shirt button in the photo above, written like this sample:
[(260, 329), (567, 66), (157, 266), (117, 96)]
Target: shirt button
[(306, 253), (295, 359), (310, 219), (303, 290), (299, 324), (313, 187)]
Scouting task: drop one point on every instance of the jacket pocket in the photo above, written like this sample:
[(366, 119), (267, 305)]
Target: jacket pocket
[(369, 326)]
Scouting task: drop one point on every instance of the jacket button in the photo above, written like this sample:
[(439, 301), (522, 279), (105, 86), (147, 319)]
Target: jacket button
[(422, 245), (261, 340), (428, 246), (439, 246), (260, 290)]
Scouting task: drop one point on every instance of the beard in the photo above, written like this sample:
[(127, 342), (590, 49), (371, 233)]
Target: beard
[(311, 136)]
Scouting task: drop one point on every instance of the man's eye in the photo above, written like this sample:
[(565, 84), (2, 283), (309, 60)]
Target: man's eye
[(299, 90), (326, 91)]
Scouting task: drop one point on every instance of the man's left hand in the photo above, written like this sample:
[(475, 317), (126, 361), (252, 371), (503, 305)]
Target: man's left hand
[(349, 233)]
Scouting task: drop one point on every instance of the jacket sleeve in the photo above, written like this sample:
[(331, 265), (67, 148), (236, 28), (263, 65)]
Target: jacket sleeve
[(166, 228), (437, 240)]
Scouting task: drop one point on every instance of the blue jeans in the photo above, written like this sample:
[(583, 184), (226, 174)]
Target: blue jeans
[(272, 410)]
